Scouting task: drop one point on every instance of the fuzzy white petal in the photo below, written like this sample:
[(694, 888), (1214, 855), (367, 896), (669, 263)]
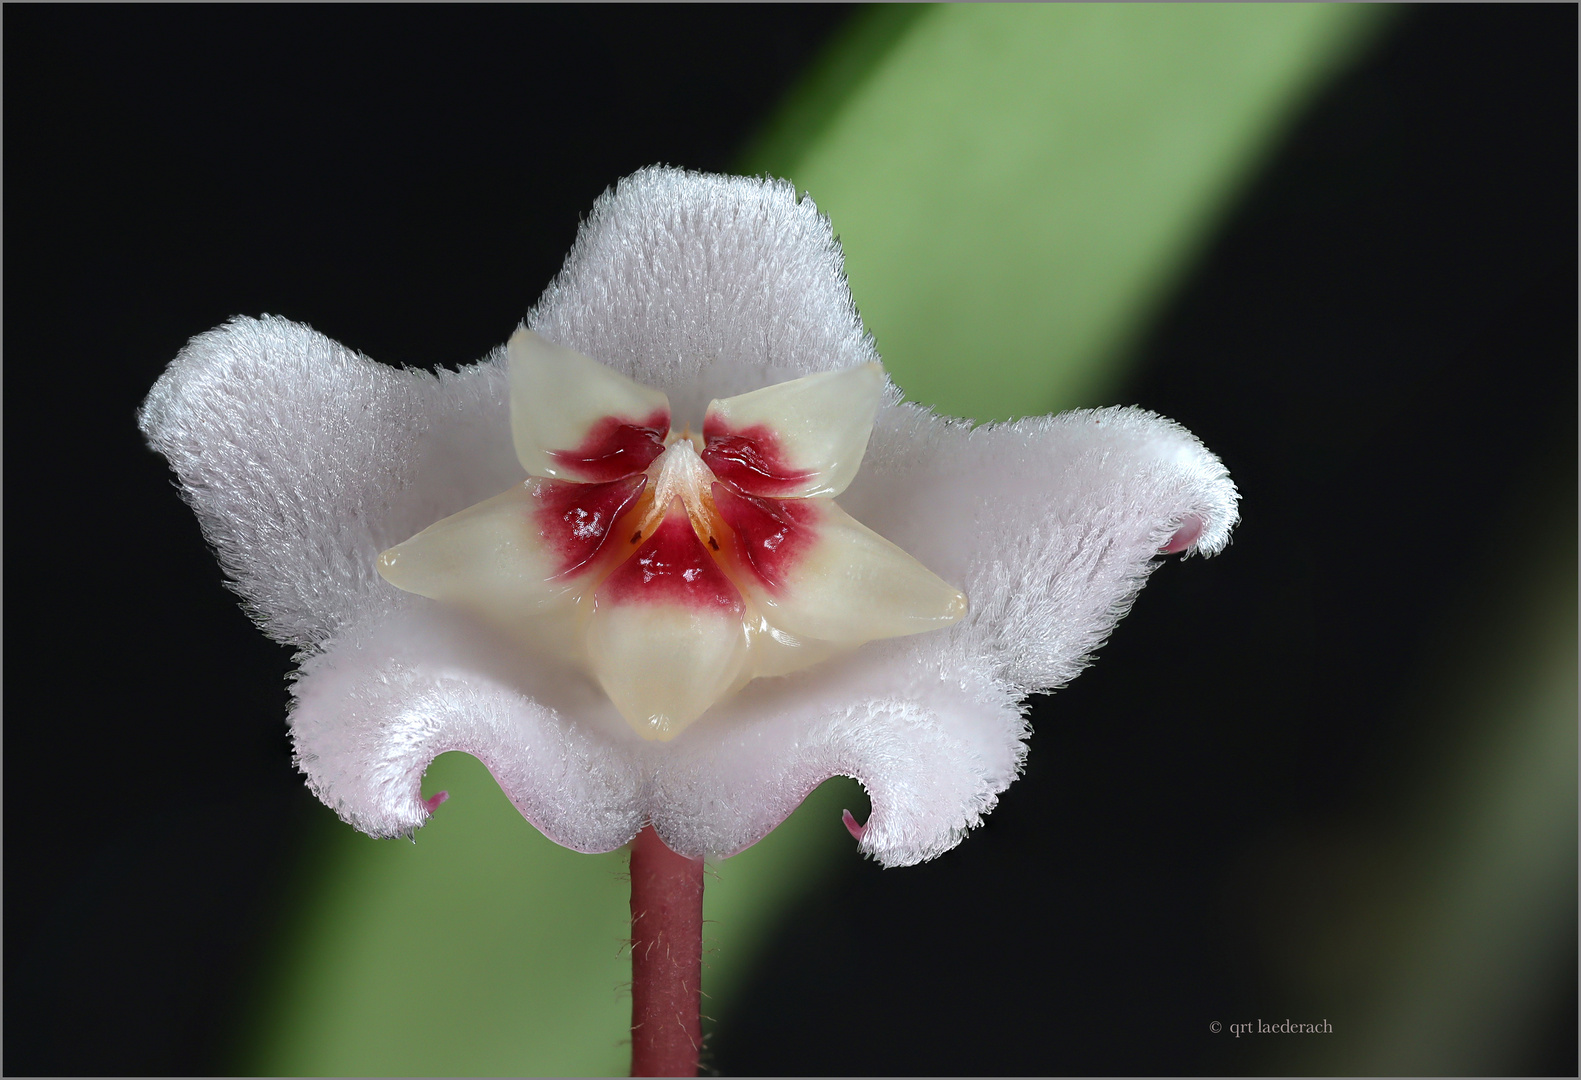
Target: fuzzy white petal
[(1051, 525), (376, 707), (932, 749), (705, 287), (303, 460)]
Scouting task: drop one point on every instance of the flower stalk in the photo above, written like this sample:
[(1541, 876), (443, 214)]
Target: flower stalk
[(666, 958)]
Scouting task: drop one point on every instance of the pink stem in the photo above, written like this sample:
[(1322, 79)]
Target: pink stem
[(666, 958)]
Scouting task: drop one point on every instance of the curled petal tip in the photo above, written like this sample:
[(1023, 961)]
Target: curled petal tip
[(432, 802), (1189, 532), (851, 826)]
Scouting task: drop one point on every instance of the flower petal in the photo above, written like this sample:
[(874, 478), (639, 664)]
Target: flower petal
[(375, 708), (512, 557), (933, 748), (795, 439), (575, 419), (816, 572), (304, 459), (1050, 524), (705, 286), (666, 639)]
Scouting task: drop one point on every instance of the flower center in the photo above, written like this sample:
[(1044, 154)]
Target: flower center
[(679, 473), (677, 567)]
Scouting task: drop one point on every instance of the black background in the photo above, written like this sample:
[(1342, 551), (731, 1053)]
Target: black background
[(1397, 292)]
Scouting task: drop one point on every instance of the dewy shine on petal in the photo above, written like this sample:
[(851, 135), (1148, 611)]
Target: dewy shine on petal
[(675, 568)]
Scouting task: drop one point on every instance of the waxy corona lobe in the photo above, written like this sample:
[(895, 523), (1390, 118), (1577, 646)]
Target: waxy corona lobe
[(676, 568)]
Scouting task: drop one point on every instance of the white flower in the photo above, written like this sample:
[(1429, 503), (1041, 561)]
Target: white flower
[(304, 461)]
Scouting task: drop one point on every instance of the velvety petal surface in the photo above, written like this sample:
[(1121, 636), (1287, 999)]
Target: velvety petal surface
[(933, 748), (378, 705), (705, 287), (303, 460), (1050, 525)]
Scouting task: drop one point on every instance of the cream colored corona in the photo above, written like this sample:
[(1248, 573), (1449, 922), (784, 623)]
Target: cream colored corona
[(675, 567)]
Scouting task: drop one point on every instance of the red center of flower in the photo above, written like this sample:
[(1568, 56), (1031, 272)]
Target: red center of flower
[(684, 529), (575, 520), (751, 459), (616, 447), (771, 534), (673, 567)]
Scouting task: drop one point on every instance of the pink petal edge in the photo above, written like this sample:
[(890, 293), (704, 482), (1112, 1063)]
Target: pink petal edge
[(851, 826), (1190, 529)]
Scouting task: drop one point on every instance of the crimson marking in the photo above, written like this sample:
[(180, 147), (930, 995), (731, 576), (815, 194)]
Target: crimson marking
[(574, 520), (752, 459), (615, 448), (773, 534), (672, 567)]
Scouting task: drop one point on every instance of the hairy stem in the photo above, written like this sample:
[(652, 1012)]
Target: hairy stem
[(666, 958)]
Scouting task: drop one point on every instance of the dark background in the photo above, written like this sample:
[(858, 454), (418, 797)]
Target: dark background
[(1382, 346), (1397, 288)]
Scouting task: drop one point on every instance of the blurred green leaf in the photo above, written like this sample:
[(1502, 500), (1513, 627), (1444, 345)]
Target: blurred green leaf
[(1017, 186), (480, 949), (483, 949)]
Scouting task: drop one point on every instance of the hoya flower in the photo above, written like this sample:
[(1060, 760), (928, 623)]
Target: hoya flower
[(450, 552)]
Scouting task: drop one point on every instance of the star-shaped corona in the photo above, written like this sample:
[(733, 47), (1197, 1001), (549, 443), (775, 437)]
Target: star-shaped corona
[(673, 567)]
